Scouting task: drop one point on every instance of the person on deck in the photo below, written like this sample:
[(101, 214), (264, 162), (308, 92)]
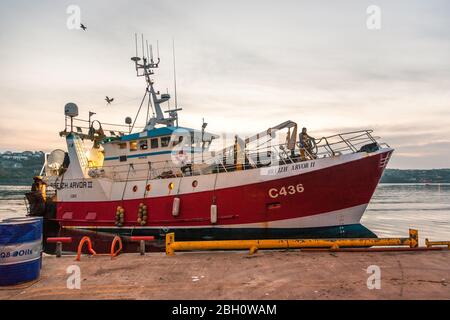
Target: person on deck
[(306, 144), (39, 187)]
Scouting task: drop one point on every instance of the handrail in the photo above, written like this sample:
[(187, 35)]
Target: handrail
[(343, 144), (107, 127), (329, 146)]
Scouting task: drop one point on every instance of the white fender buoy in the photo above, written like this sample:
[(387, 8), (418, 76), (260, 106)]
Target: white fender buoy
[(176, 207), (213, 213)]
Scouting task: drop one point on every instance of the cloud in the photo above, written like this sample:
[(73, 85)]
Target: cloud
[(244, 66)]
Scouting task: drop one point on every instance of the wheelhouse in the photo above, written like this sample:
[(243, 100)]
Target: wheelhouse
[(155, 145)]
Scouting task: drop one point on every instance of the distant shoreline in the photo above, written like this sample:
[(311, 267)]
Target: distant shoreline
[(416, 176)]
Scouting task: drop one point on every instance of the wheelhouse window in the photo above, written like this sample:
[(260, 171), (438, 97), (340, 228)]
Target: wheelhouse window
[(165, 141), (122, 145), (143, 144), (154, 143), (133, 145)]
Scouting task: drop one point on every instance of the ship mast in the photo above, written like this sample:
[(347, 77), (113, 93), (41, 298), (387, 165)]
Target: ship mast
[(144, 68)]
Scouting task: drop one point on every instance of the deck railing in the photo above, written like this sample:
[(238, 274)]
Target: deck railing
[(227, 161), (83, 127)]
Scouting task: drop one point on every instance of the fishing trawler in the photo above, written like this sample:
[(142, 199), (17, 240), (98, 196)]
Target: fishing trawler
[(167, 178)]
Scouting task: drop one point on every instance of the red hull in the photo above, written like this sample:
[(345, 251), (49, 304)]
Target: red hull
[(326, 190)]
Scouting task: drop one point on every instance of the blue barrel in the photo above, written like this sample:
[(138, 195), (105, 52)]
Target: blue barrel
[(20, 250)]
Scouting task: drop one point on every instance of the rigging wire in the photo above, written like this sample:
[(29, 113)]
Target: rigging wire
[(139, 110)]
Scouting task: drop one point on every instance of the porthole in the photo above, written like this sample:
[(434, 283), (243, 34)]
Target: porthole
[(148, 187), (135, 188), (171, 186), (194, 184)]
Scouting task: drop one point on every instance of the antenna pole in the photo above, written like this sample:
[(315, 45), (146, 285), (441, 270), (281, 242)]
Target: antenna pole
[(157, 48), (136, 45), (174, 74), (142, 40), (148, 110), (151, 53), (168, 101), (135, 41)]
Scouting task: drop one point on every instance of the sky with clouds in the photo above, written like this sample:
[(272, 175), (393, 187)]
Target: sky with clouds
[(243, 65)]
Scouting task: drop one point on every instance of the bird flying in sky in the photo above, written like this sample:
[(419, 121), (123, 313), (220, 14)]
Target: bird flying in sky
[(109, 100), (82, 26)]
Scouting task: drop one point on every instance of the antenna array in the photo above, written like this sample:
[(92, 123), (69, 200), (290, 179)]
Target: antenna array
[(144, 66)]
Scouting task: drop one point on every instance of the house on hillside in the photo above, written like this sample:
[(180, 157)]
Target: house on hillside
[(38, 154), (19, 157)]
